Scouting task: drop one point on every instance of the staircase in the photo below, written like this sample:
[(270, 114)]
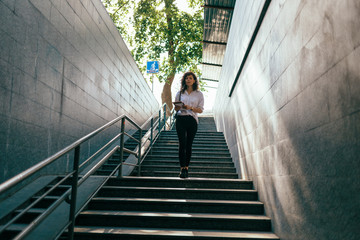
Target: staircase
[(210, 157), (211, 204)]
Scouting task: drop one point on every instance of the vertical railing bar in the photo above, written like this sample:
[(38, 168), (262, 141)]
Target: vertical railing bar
[(171, 119), (151, 134), (139, 152), (159, 120), (74, 188), (121, 146), (164, 120)]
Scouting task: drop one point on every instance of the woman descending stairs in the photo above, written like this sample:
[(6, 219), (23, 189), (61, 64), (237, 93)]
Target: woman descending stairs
[(211, 204)]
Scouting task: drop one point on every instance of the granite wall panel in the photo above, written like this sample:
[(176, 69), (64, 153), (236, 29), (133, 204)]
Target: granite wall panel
[(292, 123), (64, 72)]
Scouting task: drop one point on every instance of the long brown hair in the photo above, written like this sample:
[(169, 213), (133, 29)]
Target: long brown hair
[(183, 82)]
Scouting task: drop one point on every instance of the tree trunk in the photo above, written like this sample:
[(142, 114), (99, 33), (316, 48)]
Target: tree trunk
[(166, 93)]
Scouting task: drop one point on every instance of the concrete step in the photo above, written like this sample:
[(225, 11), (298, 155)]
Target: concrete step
[(194, 149), (199, 141), (180, 183), (193, 158), (194, 153), (197, 137), (175, 144), (192, 168), (173, 220), (176, 205), (191, 175), (107, 233), (193, 163), (199, 132), (110, 233), (174, 163), (188, 193)]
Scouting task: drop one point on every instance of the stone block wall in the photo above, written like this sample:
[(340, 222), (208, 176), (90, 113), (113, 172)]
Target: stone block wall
[(293, 120), (64, 72)]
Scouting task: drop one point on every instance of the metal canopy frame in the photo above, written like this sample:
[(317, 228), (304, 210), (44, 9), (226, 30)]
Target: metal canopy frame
[(217, 21), (218, 7), (211, 80)]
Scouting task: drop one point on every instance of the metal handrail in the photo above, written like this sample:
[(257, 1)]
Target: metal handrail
[(130, 136), (156, 125), (100, 150), (170, 125), (76, 181), (27, 173)]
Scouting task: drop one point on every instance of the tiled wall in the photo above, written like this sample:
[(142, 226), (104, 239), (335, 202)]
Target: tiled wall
[(293, 120), (64, 72)]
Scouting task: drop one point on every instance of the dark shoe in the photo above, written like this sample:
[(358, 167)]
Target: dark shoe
[(186, 173), (182, 173)]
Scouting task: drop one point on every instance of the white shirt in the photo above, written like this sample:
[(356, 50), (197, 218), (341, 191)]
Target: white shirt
[(195, 99)]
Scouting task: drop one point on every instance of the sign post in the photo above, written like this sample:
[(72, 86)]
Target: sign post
[(152, 67)]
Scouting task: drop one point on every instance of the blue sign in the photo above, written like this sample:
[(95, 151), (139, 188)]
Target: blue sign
[(152, 67)]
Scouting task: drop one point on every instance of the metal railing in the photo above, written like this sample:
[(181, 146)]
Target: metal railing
[(144, 145)]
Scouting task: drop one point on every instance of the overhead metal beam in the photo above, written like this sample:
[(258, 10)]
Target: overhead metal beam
[(212, 64), (208, 79), (218, 7), (212, 42), (210, 87)]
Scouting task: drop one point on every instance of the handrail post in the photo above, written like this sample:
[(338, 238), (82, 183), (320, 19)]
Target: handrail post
[(151, 134), (121, 146), (74, 188), (139, 154), (171, 119), (165, 116), (159, 121)]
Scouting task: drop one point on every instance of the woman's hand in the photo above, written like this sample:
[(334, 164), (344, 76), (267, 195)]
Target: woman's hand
[(194, 109), (187, 107)]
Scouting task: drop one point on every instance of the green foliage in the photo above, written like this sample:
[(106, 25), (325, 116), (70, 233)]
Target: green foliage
[(120, 13), (161, 32)]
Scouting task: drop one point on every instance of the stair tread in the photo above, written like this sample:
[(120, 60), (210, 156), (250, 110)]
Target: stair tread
[(199, 140), (196, 139), (156, 147), (182, 189), (175, 150), (190, 178), (190, 168), (170, 180), (176, 232), (176, 200), (177, 161), (178, 179), (176, 214), (192, 158)]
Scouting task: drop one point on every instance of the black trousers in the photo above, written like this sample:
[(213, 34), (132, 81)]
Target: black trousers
[(186, 128)]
